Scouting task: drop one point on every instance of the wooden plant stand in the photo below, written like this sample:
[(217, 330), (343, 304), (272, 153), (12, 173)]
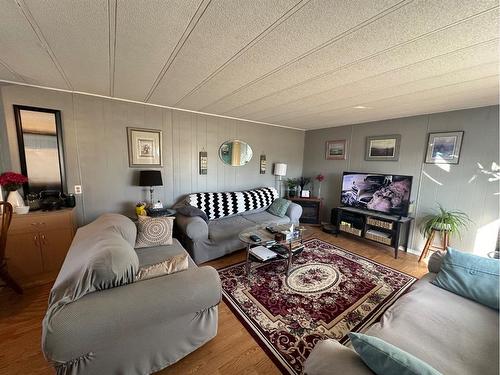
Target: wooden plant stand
[(429, 244)]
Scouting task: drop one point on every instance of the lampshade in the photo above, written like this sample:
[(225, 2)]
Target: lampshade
[(150, 178), (280, 169)]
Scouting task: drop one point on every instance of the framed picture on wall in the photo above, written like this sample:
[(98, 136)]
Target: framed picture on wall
[(336, 150), (444, 148), (383, 147), (144, 147)]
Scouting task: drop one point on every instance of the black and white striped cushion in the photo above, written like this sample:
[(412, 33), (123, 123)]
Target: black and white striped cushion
[(217, 205)]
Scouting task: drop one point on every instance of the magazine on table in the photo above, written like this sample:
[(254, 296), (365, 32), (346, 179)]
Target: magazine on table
[(262, 253)]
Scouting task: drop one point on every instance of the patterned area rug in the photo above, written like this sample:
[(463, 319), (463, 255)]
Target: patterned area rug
[(329, 293)]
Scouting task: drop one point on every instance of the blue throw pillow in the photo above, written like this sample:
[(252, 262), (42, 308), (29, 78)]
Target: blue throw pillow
[(279, 207), (386, 359), (470, 276)]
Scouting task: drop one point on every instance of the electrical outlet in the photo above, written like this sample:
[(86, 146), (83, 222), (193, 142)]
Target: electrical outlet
[(78, 189)]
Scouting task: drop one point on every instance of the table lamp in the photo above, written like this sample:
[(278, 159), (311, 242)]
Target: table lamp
[(280, 171), (150, 178)]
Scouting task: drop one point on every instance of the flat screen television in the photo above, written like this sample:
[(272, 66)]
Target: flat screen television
[(386, 193)]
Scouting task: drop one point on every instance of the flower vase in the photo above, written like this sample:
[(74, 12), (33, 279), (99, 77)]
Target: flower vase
[(319, 190), (15, 199)]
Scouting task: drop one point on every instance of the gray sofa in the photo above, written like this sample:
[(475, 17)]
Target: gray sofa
[(101, 320), (206, 241), (453, 334)]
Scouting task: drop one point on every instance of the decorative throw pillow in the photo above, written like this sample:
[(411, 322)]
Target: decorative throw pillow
[(173, 264), (192, 211), (386, 359), (279, 207), (470, 276), (154, 231)]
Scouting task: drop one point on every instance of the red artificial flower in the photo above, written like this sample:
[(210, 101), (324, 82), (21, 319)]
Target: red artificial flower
[(12, 181), (320, 177)]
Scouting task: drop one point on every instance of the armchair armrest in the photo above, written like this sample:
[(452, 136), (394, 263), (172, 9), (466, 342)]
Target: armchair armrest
[(329, 357), (192, 226), (105, 315), (294, 212)]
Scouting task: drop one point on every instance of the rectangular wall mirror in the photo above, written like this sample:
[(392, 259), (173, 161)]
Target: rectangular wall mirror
[(39, 136)]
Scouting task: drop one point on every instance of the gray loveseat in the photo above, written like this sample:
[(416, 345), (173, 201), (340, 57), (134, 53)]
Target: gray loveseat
[(206, 241), (100, 320), (451, 333)]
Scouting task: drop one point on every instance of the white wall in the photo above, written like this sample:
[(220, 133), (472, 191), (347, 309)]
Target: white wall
[(96, 154), (464, 186)]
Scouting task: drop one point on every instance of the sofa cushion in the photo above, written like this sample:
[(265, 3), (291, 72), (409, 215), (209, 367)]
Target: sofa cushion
[(470, 276), (452, 334), (279, 207), (228, 227), (154, 231), (100, 257), (217, 205), (386, 359), (192, 211), (329, 356), (173, 264), (265, 218), (156, 254)]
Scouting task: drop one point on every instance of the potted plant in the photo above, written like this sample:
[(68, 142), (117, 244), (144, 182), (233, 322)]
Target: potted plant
[(12, 182), (292, 186), (443, 220)]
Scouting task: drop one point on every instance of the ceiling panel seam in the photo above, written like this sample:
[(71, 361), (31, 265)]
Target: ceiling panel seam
[(316, 49), (283, 18), (12, 71), (184, 37), (366, 58), (422, 91), (112, 8), (148, 104), (398, 85), (43, 41), (490, 41)]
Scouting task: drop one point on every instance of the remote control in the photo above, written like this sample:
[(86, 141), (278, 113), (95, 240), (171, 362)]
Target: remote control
[(271, 230), (255, 238)]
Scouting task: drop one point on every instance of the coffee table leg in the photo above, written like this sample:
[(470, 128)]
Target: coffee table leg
[(248, 263), (290, 254)]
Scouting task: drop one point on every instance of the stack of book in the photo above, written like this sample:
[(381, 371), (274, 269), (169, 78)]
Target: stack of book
[(262, 253)]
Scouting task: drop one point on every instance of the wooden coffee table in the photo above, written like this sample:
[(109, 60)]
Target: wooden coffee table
[(267, 237)]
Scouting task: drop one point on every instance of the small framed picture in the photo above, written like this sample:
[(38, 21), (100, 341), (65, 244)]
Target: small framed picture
[(444, 148), (383, 147), (336, 150), (144, 147), (305, 193), (263, 164), (203, 162)]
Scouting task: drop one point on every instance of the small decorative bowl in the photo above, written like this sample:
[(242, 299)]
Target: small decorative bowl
[(22, 210)]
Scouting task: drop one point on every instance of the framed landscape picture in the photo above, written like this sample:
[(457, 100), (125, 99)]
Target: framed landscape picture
[(444, 148), (336, 150), (144, 147), (383, 147)]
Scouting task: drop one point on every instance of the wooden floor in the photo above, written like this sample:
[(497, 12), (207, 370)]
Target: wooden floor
[(233, 351)]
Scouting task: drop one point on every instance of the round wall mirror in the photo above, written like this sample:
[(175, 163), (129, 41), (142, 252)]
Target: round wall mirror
[(235, 153)]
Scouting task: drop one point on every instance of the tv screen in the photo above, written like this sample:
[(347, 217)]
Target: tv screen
[(385, 193)]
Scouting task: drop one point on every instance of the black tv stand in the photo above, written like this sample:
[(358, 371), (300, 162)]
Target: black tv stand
[(393, 231)]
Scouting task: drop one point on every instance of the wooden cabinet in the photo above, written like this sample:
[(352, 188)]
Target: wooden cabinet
[(37, 244)]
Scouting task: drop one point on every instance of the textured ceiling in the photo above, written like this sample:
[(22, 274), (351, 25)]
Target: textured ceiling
[(303, 64)]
